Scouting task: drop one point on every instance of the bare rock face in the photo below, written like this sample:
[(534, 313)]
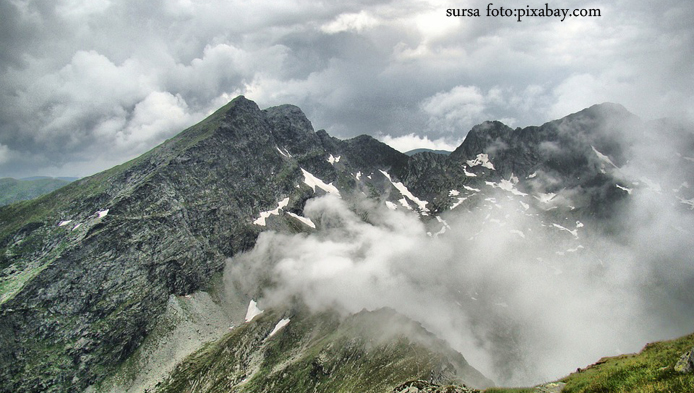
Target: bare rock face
[(428, 387)]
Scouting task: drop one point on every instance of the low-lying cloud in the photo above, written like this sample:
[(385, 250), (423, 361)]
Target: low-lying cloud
[(525, 299)]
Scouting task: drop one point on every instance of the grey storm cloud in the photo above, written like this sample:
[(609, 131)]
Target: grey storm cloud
[(90, 84)]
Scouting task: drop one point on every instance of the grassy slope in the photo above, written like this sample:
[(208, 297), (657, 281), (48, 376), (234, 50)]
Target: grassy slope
[(12, 190), (651, 370)]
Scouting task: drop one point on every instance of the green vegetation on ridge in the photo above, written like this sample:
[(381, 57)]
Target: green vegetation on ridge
[(649, 371)]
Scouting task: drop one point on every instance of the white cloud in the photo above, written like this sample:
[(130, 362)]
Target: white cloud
[(5, 154), (75, 70), (159, 114), (405, 143), (516, 309), (457, 110), (346, 22)]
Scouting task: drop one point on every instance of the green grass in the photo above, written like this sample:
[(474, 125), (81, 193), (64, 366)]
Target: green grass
[(12, 190), (649, 371)]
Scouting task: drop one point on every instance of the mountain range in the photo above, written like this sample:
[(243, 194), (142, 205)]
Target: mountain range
[(152, 274)]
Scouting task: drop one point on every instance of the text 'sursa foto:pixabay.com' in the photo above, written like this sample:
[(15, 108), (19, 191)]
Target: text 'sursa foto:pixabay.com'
[(527, 12)]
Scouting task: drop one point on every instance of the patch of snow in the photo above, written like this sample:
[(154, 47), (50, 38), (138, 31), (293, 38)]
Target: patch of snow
[(282, 323), (525, 205), (263, 215), (358, 176), (281, 152), (468, 174), (460, 200), (453, 193), (472, 189), (305, 220), (314, 182), (574, 232), (253, 311), (545, 198), (63, 223), (333, 160), (628, 190), (689, 202), (532, 175), (575, 249), (653, 186), (507, 185), (683, 185), (442, 221), (579, 224), (406, 193), (102, 213), (77, 226), (603, 157), (403, 202), (482, 159), (391, 205), (517, 232)]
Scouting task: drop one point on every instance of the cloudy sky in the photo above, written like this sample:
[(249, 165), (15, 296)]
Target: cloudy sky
[(88, 84)]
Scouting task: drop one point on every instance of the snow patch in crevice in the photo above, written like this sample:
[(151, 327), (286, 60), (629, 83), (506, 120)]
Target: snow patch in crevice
[(333, 160), (391, 205), (683, 185), (545, 198), (605, 159), (253, 311), (574, 232), (453, 193), (404, 203), (102, 213), (63, 223), (468, 174), (444, 227), (460, 200), (358, 175), (314, 182), (282, 323), (507, 185), (689, 202), (472, 189), (275, 212), (517, 232), (284, 153), (305, 220), (407, 194), (653, 186), (628, 190), (481, 159)]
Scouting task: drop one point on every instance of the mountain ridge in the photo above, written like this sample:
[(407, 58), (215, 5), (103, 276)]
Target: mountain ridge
[(88, 270)]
